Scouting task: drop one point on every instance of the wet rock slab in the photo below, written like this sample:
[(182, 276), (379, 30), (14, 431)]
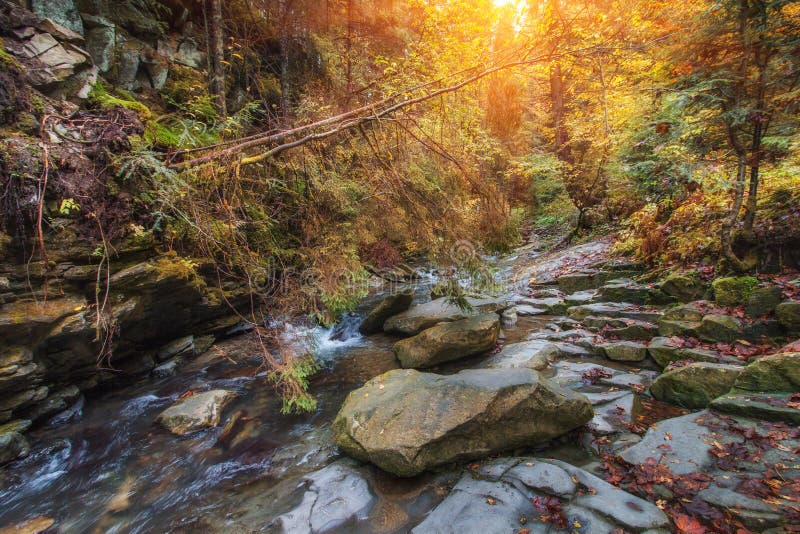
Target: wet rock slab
[(501, 497)]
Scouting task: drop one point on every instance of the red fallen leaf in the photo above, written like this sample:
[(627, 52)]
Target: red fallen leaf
[(187, 394), (689, 525)]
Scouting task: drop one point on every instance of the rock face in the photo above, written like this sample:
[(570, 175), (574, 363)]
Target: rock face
[(695, 385), (391, 305), (494, 497), (778, 373), (422, 316), (449, 341), (198, 411), (788, 314), (405, 421)]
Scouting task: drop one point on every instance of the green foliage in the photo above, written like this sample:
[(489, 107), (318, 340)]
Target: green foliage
[(296, 372), (99, 96)]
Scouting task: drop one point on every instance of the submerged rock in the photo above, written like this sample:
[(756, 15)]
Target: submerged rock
[(390, 305), (449, 341), (405, 421), (502, 495), (334, 496), (695, 385), (198, 411)]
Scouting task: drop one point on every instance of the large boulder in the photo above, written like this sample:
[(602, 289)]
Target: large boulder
[(391, 305), (196, 412), (695, 385), (779, 373), (763, 300), (574, 282), (405, 421), (449, 341), (625, 351), (733, 291), (683, 287), (788, 314), (623, 291), (535, 354), (422, 316), (717, 327)]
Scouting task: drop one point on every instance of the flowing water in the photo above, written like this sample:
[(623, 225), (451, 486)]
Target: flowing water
[(116, 470)]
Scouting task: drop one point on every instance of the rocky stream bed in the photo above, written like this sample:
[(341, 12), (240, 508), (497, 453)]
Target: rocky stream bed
[(579, 400)]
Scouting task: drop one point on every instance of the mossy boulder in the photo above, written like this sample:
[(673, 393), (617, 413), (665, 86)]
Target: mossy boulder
[(572, 283), (769, 407), (788, 314), (422, 316), (717, 327), (625, 351), (406, 422), (449, 341), (623, 291), (733, 291), (665, 351), (779, 373), (763, 300), (695, 385), (684, 287), (390, 305)]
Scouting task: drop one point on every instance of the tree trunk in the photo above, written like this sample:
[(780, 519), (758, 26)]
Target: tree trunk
[(216, 55), (730, 222), (558, 111), (284, 42)]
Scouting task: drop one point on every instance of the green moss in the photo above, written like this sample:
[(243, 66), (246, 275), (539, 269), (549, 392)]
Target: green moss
[(6, 60), (733, 291), (100, 97), (170, 265)]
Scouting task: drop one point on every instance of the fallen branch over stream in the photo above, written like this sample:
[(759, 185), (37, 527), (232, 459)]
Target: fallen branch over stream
[(273, 143)]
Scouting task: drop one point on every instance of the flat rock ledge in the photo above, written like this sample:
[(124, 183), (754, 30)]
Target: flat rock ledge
[(406, 422), (502, 496)]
